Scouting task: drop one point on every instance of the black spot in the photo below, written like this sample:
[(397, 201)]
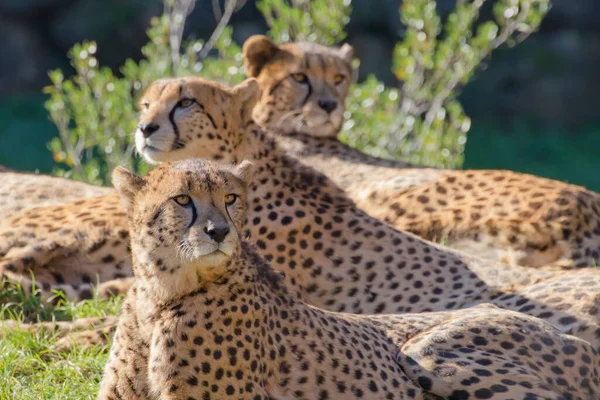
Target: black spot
[(459, 395), (483, 394), (425, 382), (192, 380), (480, 341)]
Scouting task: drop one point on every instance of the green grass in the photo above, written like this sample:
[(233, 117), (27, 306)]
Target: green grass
[(29, 366)]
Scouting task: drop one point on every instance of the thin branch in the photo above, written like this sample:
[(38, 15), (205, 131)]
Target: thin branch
[(217, 10), (177, 12), (230, 7)]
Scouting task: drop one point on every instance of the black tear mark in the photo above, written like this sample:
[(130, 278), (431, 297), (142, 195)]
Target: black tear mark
[(276, 86), (194, 214), (212, 121), (177, 144), (162, 89), (309, 92)]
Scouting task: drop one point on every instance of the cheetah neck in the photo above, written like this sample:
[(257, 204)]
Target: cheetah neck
[(275, 168), (334, 255), (328, 150), (250, 333), (166, 279)]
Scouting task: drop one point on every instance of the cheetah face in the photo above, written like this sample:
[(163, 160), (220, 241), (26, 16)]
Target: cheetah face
[(190, 117), (187, 214), (304, 86)]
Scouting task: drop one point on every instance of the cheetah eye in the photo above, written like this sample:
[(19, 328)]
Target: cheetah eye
[(230, 199), (300, 77), (185, 103), (339, 78), (183, 200)]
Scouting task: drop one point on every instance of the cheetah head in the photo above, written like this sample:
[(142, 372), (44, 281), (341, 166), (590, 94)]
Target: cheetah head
[(184, 217), (192, 117), (304, 85)]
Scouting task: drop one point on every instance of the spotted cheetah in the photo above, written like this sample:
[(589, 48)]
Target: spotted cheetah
[(19, 191), (69, 248), (500, 215), (207, 317), (333, 255)]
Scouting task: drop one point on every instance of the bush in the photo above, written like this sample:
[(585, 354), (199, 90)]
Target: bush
[(420, 121)]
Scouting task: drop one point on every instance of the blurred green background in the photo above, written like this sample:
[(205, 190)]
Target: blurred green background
[(534, 107)]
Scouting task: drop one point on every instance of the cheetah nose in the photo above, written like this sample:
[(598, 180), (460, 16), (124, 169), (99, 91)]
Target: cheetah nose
[(148, 129), (216, 233), (328, 105)]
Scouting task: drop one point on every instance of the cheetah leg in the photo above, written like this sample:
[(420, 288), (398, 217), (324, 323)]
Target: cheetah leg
[(18, 264), (21, 260), (79, 333), (61, 328), (46, 290), (557, 257), (99, 336), (461, 357), (125, 374), (72, 293), (114, 287)]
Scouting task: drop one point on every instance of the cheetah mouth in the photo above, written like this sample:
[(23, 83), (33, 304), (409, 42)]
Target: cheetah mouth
[(216, 252), (151, 149)]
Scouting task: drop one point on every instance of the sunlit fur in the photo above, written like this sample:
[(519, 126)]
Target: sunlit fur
[(287, 105), (180, 129), (181, 255)]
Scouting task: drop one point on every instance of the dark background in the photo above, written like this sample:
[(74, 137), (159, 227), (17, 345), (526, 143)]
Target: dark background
[(534, 107)]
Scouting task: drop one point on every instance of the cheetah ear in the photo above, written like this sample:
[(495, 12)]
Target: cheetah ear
[(258, 50), (245, 171), (346, 52), (246, 95), (127, 184)]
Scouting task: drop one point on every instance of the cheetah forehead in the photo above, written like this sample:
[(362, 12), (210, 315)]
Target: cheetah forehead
[(310, 58), (208, 93), (194, 174)]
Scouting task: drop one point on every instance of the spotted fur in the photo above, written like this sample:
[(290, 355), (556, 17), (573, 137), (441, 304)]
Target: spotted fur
[(217, 321), (333, 255), (20, 191), (307, 85), (501, 215)]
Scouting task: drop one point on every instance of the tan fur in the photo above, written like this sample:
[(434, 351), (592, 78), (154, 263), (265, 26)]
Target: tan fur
[(502, 215), (68, 248), (20, 191), (544, 222), (333, 255), (292, 105), (187, 333)]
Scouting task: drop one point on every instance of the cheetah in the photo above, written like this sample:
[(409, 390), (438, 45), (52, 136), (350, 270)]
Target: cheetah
[(19, 191), (207, 317), (333, 255), (501, 215), (70, 251)]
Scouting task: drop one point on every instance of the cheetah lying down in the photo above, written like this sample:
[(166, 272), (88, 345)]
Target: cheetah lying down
[(499, 215), (502, 215), (21, 191), (207, 317), (332, 254)]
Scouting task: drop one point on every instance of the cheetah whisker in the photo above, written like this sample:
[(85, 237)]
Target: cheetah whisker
[(299, 122), (290, 114)]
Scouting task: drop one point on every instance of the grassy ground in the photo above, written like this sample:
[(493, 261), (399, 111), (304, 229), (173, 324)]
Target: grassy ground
[(30, 368)]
